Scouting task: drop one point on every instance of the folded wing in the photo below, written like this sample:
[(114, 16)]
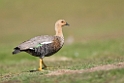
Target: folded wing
[(33, 42)]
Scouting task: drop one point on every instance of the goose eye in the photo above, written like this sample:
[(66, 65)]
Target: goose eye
[(62, 21)]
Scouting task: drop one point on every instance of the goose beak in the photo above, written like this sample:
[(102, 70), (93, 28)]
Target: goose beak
[(67, 24)]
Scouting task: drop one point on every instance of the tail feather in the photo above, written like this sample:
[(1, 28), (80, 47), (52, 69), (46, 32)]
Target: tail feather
[(16, 50)]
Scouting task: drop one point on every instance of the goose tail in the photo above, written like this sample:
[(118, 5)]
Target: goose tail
[(16, 50)]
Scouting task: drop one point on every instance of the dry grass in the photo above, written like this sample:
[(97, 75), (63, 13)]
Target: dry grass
[(93, 69)]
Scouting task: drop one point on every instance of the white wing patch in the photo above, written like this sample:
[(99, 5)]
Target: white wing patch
[(46, 42), (40, 44), (31, 48)]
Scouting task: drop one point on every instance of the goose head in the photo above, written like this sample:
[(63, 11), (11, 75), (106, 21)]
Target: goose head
[(61, 23)]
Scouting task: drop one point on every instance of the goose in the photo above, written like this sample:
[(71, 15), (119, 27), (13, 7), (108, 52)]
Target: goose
[(44, 45)]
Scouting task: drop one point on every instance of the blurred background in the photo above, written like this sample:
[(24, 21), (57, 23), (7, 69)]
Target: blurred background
[(95, 37), (95, 25)]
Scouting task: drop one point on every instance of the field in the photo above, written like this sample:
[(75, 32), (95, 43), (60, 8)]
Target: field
[(94, 42)]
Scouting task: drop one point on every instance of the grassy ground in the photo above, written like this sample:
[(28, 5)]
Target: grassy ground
[(94, 41)]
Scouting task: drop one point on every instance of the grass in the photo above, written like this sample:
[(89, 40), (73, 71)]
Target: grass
[(17, 70), (94, 38)]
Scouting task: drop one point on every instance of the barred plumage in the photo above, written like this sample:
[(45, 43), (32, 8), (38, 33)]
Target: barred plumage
[(46, 49), (43, 46)]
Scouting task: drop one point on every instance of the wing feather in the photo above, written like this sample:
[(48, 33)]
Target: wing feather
[(33, 42)]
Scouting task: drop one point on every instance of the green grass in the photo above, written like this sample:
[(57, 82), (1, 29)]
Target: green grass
[(111, 76), (16, 67), (97, 32)]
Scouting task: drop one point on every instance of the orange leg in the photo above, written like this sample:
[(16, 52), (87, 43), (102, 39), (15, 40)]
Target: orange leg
[(40, 64), (44, 64)]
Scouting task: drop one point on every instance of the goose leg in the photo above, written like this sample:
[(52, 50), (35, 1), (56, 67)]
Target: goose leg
[(44, 64), (40, 64)]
